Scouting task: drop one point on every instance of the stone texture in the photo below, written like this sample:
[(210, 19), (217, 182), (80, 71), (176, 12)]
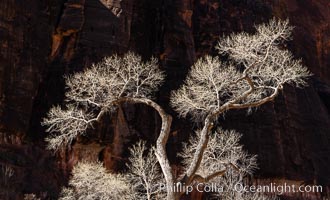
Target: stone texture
[(43, 40)]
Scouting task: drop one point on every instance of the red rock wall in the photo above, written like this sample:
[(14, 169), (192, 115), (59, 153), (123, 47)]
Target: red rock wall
[(43, 40)]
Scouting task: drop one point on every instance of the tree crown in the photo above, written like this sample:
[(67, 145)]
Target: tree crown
[(258, 68)]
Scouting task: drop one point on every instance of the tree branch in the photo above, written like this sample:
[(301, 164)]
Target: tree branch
[(198, 155), (257, 103), (202, 179)]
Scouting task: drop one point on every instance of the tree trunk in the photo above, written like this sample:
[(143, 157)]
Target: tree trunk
[(161, 144)]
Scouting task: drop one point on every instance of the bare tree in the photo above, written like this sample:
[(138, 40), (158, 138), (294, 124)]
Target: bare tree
[(98, 90), (225, 164), (90, 180), (222, 153), (143, 179), (145, 174), (103, 88), (256, 72)]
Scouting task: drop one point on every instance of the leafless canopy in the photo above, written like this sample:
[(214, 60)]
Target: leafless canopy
[(258, 69), (97, 90), (91, 181), (224, 163), (145, 173), (223, 152), (102, 88)]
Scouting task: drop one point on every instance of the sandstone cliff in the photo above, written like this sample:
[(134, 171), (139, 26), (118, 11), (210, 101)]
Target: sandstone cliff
[(43, 40)]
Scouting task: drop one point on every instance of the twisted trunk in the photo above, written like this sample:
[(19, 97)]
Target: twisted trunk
[(161, 144)]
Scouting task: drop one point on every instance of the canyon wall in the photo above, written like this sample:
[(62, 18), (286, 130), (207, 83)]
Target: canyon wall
[(43, 40)]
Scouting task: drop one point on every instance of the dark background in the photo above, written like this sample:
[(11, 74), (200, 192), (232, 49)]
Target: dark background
[(41, 40)]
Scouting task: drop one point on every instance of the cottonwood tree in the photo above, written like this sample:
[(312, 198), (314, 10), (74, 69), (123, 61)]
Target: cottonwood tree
[(101, 89), (255, 75), (258, 67), (92, 181)]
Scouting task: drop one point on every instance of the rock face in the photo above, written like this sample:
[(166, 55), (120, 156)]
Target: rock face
[(43, 40)]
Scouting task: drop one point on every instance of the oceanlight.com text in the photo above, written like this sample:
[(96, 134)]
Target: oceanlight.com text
[(278, 189)]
